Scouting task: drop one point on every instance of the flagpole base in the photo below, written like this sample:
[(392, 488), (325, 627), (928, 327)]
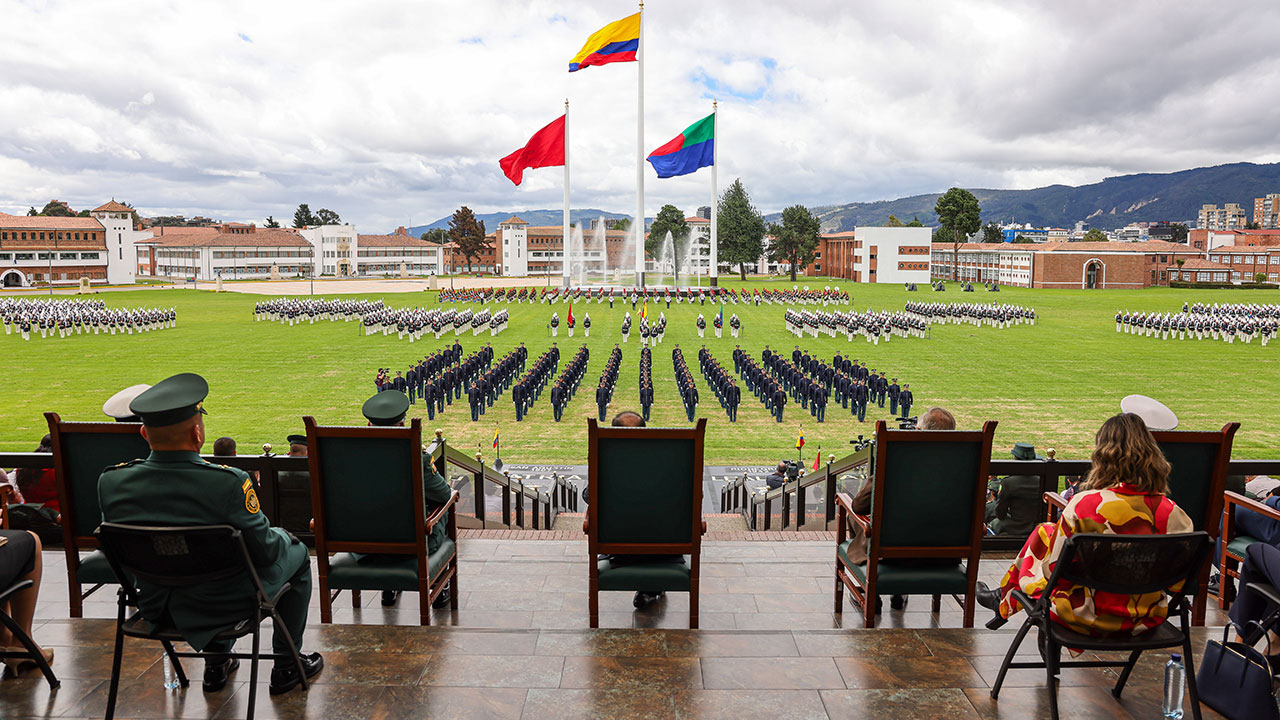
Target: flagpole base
[(715, 281), (640, 279)]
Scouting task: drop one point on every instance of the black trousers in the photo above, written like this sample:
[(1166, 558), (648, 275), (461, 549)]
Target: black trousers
[(1261, 565)]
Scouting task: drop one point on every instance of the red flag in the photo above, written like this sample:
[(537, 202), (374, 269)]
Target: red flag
[(817, 458), (544, 149), (570, 316)]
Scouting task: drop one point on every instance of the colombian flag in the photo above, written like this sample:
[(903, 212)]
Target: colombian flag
[(495, 437), (616, 42), (692, 149), (644, 311), (800, 440)]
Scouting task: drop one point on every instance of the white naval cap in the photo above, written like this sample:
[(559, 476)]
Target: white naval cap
[(117, 406), (1154, 413)]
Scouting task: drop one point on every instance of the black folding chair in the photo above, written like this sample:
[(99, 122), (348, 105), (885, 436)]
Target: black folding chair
[(176, 557), (1127, 565), (31, 651)]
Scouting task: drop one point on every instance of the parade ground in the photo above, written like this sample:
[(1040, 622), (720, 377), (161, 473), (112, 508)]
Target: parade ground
[(1050, 384)]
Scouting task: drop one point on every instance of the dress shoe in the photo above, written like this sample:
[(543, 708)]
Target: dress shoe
[(897, 602), (389, 597), (644, 598), (216, 674), (17, 666), (285, 677), (442, 600)]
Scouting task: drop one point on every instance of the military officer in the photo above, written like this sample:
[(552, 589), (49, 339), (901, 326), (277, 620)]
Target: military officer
[(894, 392), (388, 410), (906, 399), (174, 486)]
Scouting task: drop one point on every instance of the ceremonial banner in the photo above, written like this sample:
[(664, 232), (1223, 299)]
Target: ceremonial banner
[(616, 42), (544, 149)]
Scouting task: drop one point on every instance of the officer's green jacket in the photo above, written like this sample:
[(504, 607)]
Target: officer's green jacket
[(179, 488), (435, 492)]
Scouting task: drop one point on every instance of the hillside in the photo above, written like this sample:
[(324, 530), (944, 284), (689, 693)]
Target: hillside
[(533, 217)]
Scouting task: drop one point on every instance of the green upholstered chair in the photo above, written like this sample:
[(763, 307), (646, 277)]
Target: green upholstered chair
[(924, 480), (644, 497), (81, 451), (366, 493)]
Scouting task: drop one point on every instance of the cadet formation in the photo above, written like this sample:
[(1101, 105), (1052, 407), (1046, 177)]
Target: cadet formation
[(871, 325), (64, 318), (608, 379), (684, 381), (646, 382), (721, 383), (490, 386), (760, 383), (1228, 323), (529, 388), (996, 315), (567, 384)]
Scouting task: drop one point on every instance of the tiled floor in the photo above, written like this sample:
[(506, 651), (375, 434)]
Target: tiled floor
[(518, 647)]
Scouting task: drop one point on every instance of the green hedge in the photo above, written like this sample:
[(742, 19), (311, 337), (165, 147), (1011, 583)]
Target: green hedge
[(1221, 286)]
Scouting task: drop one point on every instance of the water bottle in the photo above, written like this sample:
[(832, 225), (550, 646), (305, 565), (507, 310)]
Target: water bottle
[(171, 677), (1175, 680)]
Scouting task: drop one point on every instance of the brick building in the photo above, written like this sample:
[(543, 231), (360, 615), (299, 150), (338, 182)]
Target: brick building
[(1102, 265), (874, 255), (36, 249), (539, 249)]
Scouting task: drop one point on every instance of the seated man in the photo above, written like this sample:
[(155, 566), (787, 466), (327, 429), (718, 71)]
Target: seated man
[(935, 418), (385, 410), (628, 418), (174, 486), (1017, 507), (295, 489), (778, 477)]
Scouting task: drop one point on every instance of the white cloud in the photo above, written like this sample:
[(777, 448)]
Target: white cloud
[(386, 110)]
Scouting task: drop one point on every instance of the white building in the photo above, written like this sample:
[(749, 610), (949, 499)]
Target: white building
[(395, 253), (875, 255), (230, 251), (121, 241), (37, 250)]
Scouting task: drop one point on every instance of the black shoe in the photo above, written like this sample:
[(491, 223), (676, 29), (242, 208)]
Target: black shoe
[(987, 598), (216, 674), (442, 600), (898, 602), (644, 598), (389, 597), (879, 604), (285, 677)]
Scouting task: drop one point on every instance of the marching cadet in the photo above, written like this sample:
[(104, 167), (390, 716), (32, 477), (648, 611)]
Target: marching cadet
[(626, 323), (702, 325), (906, 399), (586, 328), (718, 323), (175, 486), (571, 322), (734, 325), (555, 324), (860, 397), (894, 393)]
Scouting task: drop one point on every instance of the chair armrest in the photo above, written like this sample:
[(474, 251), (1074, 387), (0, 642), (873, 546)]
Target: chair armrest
[(438, 514), (1232, 498), (862, 521), (844, 504), (1056, 500)]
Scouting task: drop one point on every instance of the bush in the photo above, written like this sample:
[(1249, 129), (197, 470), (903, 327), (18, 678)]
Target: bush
[(1182, 284)]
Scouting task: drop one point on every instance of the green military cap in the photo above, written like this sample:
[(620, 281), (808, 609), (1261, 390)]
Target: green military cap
[(386, 408), (117, 406), (171, 400), (1025, 451), (297, 439)]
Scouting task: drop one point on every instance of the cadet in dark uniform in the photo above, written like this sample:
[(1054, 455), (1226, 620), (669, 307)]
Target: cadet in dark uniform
[(174, 486), (905, 400), (894, 392), (386, 410)]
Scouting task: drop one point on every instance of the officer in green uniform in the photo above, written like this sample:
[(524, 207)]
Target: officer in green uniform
[(174, 486), (388, 409)]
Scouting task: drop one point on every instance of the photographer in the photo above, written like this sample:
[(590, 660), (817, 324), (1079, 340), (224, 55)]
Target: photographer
[(779, 476)]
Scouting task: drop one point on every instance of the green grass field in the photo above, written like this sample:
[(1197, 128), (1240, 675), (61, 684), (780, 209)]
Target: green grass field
[(1052, 384)]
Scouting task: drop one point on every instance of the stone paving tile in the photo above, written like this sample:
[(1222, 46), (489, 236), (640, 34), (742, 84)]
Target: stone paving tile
[(493, 671), (935, 704), (632, 673), (738, 704), (597, 704), (787, 673), (412, 703), (887, 673)]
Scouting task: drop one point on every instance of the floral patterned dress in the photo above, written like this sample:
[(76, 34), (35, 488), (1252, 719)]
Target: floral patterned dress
[(1121, 509)]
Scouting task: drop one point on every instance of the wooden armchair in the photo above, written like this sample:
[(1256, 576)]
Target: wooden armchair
[(644, 495), (1234, 544), (81, 451), (920, 534), (367, 498)]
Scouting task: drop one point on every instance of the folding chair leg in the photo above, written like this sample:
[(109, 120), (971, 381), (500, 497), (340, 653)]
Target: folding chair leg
[(115, 665), (937, 603), (355, 599), (253, 669), (1008, 657), (839, 590), (30, 646), (1124, 674), (1051, 658), (177, 664), (1191, 675), (293, 646)]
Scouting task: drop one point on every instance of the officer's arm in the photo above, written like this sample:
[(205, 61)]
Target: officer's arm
[(434, 488), (265, 543)]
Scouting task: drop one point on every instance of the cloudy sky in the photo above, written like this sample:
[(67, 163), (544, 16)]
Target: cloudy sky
[(397, 112)]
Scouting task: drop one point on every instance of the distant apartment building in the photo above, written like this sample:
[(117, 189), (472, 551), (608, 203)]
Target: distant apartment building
[(1228, 217), (1266, 211)]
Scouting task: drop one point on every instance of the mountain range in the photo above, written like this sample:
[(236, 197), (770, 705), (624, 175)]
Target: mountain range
[(1109, 204)]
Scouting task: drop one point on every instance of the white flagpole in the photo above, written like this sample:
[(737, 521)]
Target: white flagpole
[(565, 244), (638, 223), (714, 272)]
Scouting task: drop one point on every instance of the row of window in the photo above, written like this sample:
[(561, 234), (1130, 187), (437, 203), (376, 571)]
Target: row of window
[(92, 274), (16, 235), (240, 254), (913, 266), (397, 253), (1246, 259), (45, 256)]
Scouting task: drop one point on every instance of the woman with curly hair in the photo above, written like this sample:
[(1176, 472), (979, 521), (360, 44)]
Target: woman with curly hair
[(1124, 494)]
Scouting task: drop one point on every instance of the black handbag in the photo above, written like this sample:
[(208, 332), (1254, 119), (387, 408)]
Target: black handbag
[(1235, 680)]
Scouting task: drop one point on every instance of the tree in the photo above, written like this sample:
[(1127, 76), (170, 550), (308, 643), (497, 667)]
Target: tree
[(272, 222), (325, 216), (1259, 277), (1095, 235), (669, 220), (622, 224), (739, 228), (992, 233), (1252, 226), (958, 216), (796, 238), (915, 222), (1180, 232), (57, 208), (32, 212), (302, 217), (439, 236), (893, 221), (468, 234), (1022, 239)]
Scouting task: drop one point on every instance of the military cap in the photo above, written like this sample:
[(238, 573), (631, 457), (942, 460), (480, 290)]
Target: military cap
[(297, 439), (386, 408), (117, 406), (1154, 413), (171, 400)]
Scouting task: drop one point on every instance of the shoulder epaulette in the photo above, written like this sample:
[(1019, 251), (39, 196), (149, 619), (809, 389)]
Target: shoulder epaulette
[(129, 463)]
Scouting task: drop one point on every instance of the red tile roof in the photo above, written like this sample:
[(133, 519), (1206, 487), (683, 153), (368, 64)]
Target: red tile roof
[(394, 240), (210, 237), (39, 222), (1202, 264), (696, 219), (113, 206), (513, 220)]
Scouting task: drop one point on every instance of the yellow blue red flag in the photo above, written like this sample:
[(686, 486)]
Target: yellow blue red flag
[(616, 42)]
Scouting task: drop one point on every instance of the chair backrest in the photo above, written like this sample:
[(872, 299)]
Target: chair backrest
[(930, 489), (644, 489), (1199, 475), (175, 556), (81, 451), (1133, 564), (366, 487)]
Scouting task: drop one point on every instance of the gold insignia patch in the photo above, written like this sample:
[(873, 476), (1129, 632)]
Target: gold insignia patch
[(251, 501)]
